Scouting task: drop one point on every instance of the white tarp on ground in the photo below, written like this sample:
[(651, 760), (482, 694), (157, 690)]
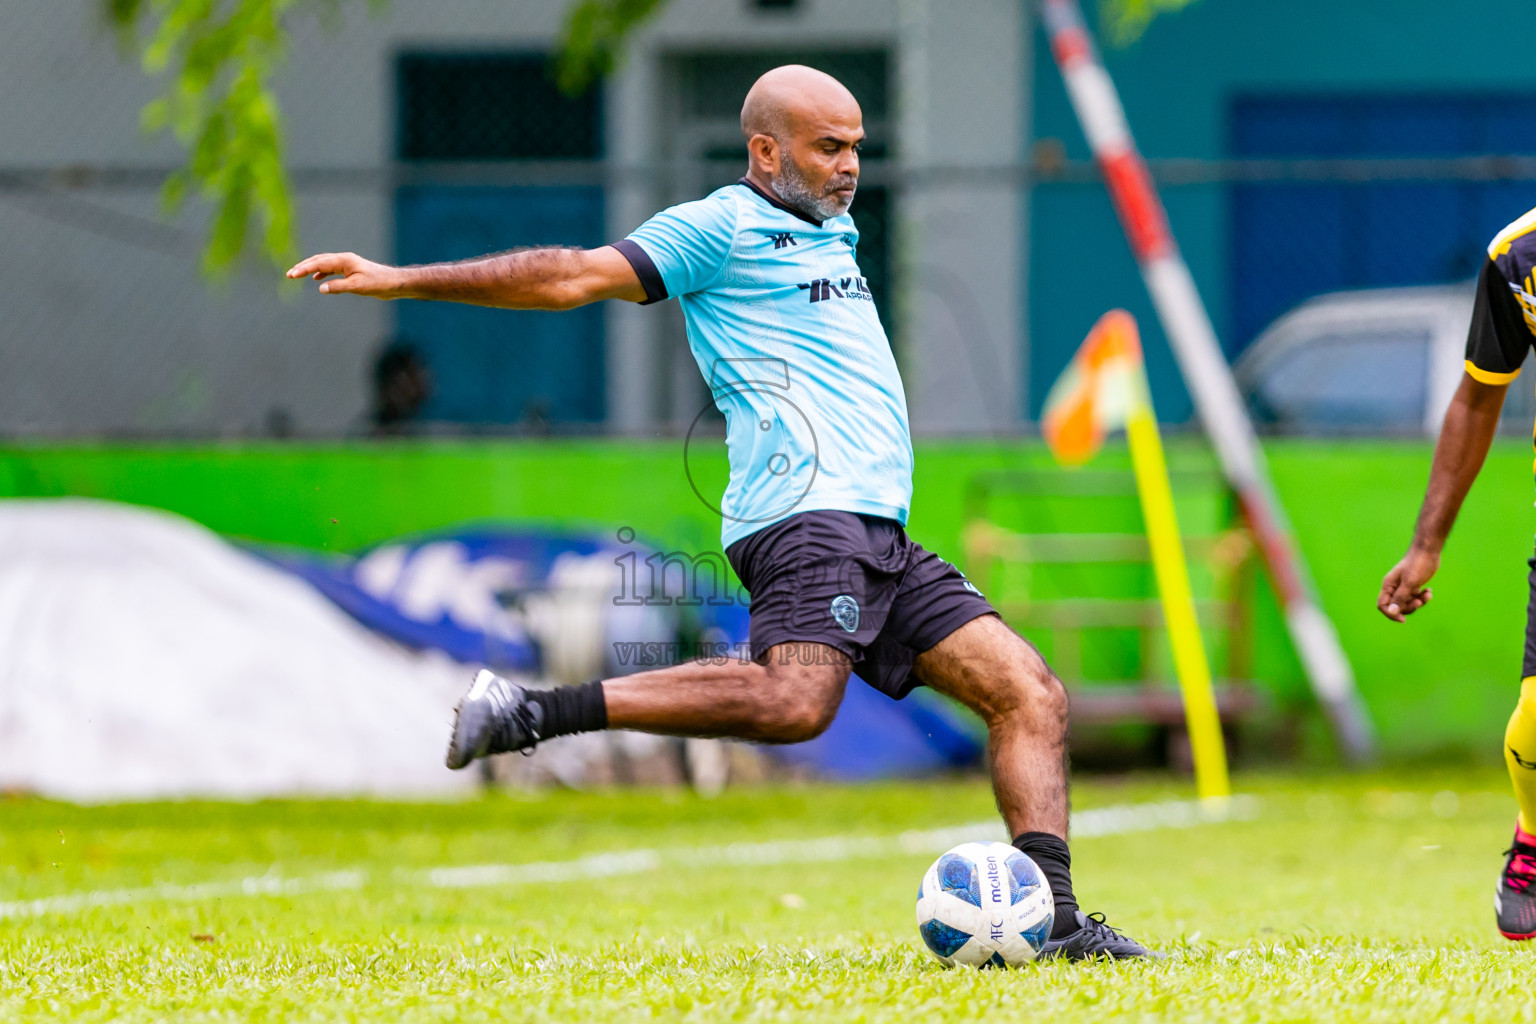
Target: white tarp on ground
[(143, 656)]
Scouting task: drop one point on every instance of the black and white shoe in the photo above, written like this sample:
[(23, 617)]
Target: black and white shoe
[(494, 717), (1094, 939)]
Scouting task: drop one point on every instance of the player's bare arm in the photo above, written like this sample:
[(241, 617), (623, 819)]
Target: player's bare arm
[(545, 278), (1470, 423)]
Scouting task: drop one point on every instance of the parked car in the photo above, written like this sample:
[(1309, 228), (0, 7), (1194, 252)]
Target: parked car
[(1382, 361)]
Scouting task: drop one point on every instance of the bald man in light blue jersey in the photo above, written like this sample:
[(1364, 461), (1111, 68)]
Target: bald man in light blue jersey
[(784, 330)]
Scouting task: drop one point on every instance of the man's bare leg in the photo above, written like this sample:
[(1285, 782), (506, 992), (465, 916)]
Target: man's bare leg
[(993, 671), (789, 695), (998, 674)]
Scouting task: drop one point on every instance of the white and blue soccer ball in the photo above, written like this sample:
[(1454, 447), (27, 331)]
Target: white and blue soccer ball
[(985, 905)]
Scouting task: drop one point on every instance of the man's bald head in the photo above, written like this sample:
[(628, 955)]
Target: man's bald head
[(804, 130), (783, 99)]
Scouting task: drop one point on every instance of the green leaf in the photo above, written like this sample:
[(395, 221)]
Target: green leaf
[(174, 192), (220, 57), (1124, 21), (594, 37)]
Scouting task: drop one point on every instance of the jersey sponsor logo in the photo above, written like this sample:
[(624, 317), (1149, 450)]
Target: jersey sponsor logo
[(781, 239), (848, 241), (843, 288), (1522, 762), (845, 612)]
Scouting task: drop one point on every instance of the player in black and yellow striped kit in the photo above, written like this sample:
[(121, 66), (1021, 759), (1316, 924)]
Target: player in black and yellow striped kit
[(1503, 331)]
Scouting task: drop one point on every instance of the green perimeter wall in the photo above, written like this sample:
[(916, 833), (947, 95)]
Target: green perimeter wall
[(1445, 681)]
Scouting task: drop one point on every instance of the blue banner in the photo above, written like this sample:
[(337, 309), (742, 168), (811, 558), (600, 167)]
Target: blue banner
[(463, 593), (476, 593)]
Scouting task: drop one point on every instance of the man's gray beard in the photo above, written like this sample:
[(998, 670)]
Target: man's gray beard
[(796, 193)]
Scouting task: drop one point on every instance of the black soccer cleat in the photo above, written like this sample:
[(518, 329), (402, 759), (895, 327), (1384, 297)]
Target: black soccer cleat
[(494, 717), (1093, 940), (1514, 900)]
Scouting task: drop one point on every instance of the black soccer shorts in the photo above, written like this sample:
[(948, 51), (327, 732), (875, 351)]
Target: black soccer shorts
[(857, 583)]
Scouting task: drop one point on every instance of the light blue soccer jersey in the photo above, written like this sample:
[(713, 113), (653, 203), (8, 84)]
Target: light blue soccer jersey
[(784, 329)]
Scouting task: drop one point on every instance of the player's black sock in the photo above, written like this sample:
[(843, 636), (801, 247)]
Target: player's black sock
[(568, 709), (1055, 861)]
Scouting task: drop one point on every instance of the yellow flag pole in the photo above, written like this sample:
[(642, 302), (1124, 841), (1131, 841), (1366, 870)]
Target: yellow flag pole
[(1189, 661)]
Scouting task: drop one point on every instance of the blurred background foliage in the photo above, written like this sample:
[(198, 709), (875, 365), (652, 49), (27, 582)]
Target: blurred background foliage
[(1123, 21)]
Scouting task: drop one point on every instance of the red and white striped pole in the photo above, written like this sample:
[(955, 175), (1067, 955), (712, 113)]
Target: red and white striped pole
[(1205, 370)]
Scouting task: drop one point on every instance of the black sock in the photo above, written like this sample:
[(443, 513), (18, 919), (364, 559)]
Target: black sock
[(568, 709), (1055, 861)]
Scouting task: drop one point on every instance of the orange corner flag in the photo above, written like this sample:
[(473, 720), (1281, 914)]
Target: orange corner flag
[(1105, 388), (1097, 392)]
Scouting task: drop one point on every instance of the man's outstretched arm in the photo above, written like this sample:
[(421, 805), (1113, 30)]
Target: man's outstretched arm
[(1470, 423), (523, 279)]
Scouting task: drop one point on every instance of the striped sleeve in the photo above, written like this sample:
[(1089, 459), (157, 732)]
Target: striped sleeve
[(1499, 337)]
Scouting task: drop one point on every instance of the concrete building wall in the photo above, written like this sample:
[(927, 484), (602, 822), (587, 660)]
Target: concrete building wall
[(964, 122)]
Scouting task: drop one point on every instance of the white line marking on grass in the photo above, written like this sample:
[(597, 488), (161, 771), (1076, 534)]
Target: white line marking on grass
[(598, 865), (256, 885), (1124, 818), (1104, 821)]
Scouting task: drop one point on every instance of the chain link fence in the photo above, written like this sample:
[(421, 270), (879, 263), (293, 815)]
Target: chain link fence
[(108, 328)]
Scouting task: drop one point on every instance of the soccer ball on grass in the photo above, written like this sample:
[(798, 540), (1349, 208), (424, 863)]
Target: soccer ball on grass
[(985, 905)]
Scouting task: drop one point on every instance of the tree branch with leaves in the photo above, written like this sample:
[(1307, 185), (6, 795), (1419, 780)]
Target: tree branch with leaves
[(222, 57)]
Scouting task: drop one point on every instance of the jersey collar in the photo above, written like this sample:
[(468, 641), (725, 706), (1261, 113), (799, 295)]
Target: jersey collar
[(775, 201)]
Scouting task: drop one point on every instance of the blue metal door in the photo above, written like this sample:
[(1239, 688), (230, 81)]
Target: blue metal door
[(493, 366)]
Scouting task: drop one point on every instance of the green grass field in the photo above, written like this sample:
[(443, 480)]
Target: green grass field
[(1358, 898)]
